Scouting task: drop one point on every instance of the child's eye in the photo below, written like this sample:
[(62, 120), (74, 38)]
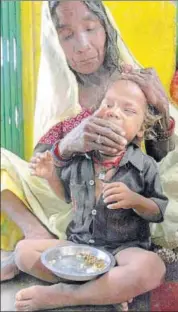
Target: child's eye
[(129, 111)]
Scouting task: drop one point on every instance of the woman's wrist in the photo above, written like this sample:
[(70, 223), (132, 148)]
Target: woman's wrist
[(164, 133), (59, 159), (64, 152)]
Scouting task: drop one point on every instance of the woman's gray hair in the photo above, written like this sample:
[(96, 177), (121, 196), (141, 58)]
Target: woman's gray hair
[(111, 61)]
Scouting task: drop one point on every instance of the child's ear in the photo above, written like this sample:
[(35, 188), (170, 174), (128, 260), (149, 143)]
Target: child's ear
[(140, 134)]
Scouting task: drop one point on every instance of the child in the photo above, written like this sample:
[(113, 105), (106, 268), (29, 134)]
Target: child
[(114, 199)]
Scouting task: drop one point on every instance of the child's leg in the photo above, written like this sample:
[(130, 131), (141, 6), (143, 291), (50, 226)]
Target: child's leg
[(139, 271), (27, 257)]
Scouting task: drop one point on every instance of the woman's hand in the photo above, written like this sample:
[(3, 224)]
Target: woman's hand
[(117, 195), (42, 165), (152, 87), (94, 133)]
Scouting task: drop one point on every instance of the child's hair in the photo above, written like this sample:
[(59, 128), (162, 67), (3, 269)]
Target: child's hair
[(151, 117)]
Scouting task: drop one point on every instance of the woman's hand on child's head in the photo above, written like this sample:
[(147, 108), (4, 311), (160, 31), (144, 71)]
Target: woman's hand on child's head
[(151, 86), (41, 165), (117, 195)]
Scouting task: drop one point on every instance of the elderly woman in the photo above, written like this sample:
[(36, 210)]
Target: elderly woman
[(79, 55)]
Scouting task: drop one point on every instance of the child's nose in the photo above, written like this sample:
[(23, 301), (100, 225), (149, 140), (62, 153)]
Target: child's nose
[(114, 114)]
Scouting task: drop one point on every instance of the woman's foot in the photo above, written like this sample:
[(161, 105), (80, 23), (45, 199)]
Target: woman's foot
[(8, 268), (46, 297)]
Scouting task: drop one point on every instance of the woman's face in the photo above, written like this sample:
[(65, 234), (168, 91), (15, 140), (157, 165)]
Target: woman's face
[(81, 36)]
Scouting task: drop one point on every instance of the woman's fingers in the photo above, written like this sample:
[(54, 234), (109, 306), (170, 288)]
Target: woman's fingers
[(106, 134), (92, 146), (100, 112), (150, 84), (103, 141), (141, 81), (109, 125)]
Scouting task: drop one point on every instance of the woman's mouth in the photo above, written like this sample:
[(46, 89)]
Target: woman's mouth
[(89, 60)]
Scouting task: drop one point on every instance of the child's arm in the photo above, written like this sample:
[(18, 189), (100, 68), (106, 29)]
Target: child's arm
[(42, 165), (151, 206)]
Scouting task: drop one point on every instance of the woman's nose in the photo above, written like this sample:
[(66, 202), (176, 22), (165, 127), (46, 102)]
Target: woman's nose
[(82, 44)]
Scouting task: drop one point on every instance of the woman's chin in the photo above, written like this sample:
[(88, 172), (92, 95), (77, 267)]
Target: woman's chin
[(88, 68)]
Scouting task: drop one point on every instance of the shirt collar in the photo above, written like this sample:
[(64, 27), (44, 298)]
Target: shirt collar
[(134, 156)]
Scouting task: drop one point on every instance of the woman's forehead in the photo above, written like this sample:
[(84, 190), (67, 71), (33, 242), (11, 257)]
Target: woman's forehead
[(74, 10)]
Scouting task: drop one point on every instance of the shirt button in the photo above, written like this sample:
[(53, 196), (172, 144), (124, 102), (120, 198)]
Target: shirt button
[(91, 182), (91, 241), (94, 212)]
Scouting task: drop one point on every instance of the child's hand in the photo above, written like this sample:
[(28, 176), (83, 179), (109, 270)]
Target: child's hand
[(42, 165), (117, 195)]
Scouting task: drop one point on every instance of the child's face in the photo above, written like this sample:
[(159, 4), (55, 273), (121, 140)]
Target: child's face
[(126, 107)]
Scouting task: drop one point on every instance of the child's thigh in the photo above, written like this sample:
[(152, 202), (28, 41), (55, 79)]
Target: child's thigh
[(41, 245)]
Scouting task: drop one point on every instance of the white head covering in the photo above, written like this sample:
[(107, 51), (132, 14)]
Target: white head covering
[(57, 89)]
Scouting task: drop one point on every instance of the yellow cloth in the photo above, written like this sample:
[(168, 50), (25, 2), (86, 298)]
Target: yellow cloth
[(36, 195)]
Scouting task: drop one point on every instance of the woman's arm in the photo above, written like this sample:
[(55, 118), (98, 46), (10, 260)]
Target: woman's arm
[(59, 131), (164, 143)]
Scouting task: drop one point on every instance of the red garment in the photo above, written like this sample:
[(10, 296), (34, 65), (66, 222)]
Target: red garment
[(110, 163), (58, 131)]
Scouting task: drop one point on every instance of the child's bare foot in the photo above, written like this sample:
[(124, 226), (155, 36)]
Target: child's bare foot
[(46, 297), (40, 298), (8, 268)]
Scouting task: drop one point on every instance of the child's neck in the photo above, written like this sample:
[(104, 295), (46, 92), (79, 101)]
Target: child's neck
[(106, 157)]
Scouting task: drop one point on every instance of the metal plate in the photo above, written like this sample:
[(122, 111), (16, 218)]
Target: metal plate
[(67, 262)]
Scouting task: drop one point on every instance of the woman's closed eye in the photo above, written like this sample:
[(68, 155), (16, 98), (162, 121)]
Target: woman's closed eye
[(65, 35), (91, 27)]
